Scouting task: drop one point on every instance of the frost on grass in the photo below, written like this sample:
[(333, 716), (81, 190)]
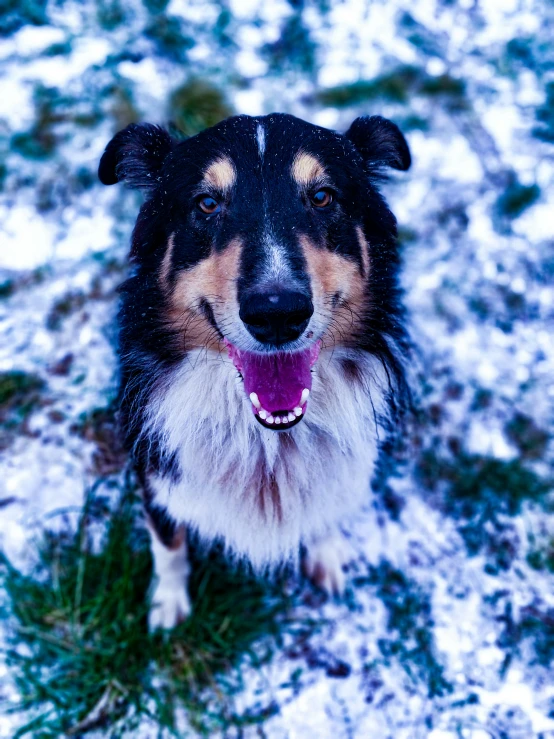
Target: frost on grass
[(447, 626), (88, 660)]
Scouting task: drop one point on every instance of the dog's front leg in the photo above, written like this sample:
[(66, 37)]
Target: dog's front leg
[(325, 560), (170, 602)]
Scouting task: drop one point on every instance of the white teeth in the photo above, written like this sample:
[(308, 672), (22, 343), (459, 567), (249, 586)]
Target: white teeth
[(277, 419), (255, 401), (304, 396), (291, 417), (269, 419), (297, 412), (262, 414)]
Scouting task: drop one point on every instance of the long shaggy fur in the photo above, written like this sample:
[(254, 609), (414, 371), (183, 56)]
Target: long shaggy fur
[(260, 492)]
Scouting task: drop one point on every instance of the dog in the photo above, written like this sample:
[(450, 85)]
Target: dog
[(262, 341)]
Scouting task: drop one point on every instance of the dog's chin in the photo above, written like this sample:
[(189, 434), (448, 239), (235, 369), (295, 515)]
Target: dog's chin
[(277, 383)]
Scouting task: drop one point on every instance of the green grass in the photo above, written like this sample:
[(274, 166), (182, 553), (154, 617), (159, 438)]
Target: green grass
[(409, 623), (480, 493), (396, 86), (20, 394), (90, 662), (197, 105), (516, 198)]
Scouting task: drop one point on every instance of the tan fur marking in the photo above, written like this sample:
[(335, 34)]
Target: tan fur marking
[(331, 275), (213, 279), (306, 168), (364, 248), (166, 262), (221, 174)]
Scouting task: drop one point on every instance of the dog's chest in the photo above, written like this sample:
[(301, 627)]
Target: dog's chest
[(261, 491)]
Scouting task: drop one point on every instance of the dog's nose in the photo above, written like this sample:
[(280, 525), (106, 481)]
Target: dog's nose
[(276, 317)]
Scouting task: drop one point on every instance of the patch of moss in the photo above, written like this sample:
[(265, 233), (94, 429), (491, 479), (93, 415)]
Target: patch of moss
[(535, 626), (3, 174), (7, 288), (14, 14), (293, 49), (91, 662), (412, 122), (166, 31), (155, 6), (110, 14), (478, 491), (516, 198), (542, 558), (63, 308), (63, 48), (100, 427), (545, 116), (443, 84), (419, 36), (197, 105), (410, 624), (407, 235), (396, 86), (528, 437), (20, 394), (40, 141), (122, 106)]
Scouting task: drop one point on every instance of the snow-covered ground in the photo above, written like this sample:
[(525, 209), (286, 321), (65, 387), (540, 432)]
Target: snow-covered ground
[(471, 84)]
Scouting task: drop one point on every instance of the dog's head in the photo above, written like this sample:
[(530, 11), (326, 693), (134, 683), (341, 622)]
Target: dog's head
[(265, 238)]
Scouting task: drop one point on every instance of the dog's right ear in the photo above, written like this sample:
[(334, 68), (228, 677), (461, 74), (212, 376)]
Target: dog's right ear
[(135, 156)]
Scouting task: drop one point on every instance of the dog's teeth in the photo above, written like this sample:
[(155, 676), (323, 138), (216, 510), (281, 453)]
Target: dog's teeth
[(291, 417), (255, 401), (269, 419), (277, 419), (297, 412), (304, 396), (262, 414)]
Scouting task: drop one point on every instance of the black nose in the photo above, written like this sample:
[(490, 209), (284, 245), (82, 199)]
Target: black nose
[(277, 317)]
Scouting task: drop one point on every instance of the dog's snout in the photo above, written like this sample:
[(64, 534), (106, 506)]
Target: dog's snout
[(276, 317)]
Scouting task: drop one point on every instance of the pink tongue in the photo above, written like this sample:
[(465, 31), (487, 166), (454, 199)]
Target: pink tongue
[(277, 379)]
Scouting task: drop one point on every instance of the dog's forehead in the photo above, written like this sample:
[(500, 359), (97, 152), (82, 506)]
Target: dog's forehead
[(274, 145)]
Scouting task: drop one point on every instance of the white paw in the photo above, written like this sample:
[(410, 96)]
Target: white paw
[(325, 561), (170, 606)]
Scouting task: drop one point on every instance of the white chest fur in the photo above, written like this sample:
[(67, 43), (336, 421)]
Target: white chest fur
[(261, 491)]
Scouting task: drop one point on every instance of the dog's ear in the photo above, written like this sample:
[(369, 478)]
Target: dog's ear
[(380, 143), (135, 155)]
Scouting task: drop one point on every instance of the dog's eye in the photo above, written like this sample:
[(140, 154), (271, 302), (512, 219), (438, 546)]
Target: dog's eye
[(322, 198), (208, 205)]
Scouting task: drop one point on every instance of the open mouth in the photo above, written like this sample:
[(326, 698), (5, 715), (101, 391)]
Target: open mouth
[(278, 384)]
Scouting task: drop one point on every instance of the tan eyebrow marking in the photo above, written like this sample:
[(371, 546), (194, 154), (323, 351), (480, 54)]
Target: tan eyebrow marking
[(221, 174), (364, 248), (166, 261), (306, 168)]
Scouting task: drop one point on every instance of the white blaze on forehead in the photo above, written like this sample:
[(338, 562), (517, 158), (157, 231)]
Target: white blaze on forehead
[(221, 174), (260, 137)]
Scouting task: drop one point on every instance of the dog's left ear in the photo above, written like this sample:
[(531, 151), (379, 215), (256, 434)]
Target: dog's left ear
[(380, 143), (135, 155)]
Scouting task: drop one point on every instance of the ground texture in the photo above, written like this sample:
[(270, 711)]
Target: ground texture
[(447, 627)]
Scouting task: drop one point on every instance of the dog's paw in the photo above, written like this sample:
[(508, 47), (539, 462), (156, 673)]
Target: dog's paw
[(324, 563), (170, 605)]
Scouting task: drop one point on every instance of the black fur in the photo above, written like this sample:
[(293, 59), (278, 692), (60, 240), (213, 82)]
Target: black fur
[(169, 171)]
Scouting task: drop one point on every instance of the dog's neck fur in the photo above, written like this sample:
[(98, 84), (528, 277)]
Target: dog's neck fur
[(262, 491)]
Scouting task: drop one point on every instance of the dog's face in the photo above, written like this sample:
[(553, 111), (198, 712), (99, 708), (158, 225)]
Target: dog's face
[(262, 236)]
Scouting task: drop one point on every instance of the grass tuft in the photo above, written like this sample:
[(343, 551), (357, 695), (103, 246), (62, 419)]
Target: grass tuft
[(89, 661), (481, 493), (20, 394), (410, 625)]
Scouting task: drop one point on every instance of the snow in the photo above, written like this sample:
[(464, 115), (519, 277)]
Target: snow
[(460, 161)]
